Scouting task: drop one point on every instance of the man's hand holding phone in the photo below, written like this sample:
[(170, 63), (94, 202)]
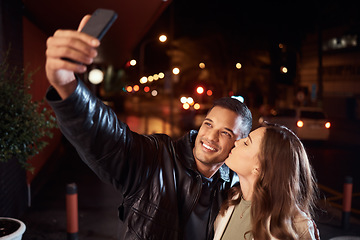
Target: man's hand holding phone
[(78, 46)]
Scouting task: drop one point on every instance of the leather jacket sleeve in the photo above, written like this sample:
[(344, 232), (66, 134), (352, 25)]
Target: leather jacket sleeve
[(116, 154)]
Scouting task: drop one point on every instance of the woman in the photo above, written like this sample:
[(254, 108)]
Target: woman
[(277, 192)]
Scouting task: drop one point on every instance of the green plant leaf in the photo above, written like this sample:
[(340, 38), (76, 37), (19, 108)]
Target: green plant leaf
[(24, 123)]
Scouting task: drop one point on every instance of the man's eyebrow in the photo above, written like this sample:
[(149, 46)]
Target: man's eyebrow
[(228, 129), (250, 138)]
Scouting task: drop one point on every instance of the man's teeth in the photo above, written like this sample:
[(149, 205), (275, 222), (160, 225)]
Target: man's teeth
[(208, 147)]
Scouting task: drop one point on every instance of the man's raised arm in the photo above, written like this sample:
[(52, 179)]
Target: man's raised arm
[(69, 44)]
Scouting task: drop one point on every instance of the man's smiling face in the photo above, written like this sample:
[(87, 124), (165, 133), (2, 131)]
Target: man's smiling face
[(216, 137)]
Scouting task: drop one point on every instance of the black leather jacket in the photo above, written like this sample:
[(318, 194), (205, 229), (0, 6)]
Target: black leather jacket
[(156, 175)]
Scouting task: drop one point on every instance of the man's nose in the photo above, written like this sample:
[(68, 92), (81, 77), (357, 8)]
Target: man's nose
[(213, 135)]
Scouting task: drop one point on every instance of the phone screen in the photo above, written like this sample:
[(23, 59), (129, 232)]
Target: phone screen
[(100, 21)]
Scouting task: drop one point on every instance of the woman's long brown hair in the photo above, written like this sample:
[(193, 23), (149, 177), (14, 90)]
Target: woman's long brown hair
[(286, 185)]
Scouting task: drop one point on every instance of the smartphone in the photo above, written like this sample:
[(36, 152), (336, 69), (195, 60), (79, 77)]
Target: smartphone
[(100, 22)]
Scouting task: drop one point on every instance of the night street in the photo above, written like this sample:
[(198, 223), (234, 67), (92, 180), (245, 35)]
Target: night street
[(159, 66)]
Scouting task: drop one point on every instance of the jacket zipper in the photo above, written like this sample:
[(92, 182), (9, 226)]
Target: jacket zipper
[(197, 196), (211, 219)]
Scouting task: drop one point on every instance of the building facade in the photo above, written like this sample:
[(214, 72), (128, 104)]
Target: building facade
[(329, 71)]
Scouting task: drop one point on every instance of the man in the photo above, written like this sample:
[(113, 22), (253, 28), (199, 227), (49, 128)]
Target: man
[(171, 189)]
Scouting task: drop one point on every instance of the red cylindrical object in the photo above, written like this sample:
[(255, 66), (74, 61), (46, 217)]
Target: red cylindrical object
[(347, 195), (72, 211)]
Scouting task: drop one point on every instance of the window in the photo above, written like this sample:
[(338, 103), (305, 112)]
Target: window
[(345, 41)]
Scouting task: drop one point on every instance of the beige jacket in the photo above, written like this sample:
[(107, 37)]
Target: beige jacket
[(304, 225)]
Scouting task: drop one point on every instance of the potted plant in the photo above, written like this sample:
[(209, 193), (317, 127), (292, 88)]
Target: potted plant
[(11, 228), (24, 127), (23, 123)]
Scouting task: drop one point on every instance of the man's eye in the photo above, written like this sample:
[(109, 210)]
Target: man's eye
[(245, 143), (227, 134)]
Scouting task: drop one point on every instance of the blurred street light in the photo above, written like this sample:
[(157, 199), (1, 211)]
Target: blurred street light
[(200, 90), (146, 89), (136, 88), (196, 106), (175, 77), (239, 98), (161, 75), (154, 93), (143, 80), (186, 106), (283, 69), (162, 39), (96, 76), (190, 100), (129, 89), (176, 70), (133, 62)]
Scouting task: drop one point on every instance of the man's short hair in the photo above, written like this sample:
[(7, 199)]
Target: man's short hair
[(240, 109)]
